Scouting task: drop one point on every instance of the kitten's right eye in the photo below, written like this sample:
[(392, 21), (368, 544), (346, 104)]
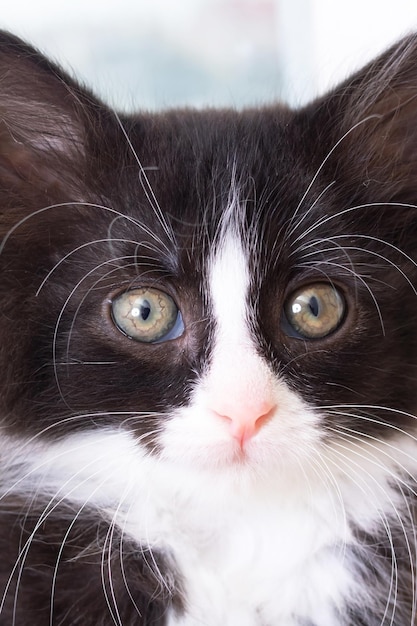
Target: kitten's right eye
[(147, 315), (315, 311)]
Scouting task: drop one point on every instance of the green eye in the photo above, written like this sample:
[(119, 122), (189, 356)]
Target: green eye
[(147, 315), (315, 311)]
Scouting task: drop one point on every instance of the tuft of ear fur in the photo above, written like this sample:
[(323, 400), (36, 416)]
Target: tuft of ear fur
[(384, 108), (43, 120), (379, 120)]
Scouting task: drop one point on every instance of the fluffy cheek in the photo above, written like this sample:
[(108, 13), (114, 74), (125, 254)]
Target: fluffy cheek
[(289, 439)]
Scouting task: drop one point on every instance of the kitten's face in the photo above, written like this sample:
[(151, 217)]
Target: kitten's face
[(236, 289)]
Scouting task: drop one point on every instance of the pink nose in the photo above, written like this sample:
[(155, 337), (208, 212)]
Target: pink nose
[(245, 420)]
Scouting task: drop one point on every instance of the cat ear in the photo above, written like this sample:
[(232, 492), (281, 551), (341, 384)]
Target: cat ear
[(42, 119), (378, 111)]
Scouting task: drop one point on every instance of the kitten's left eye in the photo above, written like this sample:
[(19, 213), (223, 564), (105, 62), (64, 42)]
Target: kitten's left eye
[(147, 315), (315, 311)]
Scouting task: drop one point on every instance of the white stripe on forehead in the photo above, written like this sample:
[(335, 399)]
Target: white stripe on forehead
[(229, 282)]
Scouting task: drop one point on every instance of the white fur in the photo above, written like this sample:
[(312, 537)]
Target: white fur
[(258, 532), (254, 549)]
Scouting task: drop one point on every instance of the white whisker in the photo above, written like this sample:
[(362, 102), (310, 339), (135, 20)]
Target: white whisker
[(354, 472), (328, 218), (61, 313), (291, 231), (63, 542), (52, 505), (350, 248), (74, 251), (147, 187), (110, 596)]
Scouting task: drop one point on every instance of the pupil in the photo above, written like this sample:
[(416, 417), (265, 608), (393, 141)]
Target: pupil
[(314, 306), (145, 310)]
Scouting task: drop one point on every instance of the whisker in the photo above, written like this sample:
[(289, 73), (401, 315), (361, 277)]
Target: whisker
[(309, 211), (48, 510), (356, 475), (76, 204), (358, 440), (78, 249), (328, 218), (61, 313), (346, 410), (124, 576), (34, 470), (147, 187), (61, 549), (347, 249), (291, 231), (112, 600), (110, 596)]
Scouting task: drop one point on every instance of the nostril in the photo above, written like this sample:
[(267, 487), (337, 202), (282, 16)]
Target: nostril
[(244, 425), (264, 418)]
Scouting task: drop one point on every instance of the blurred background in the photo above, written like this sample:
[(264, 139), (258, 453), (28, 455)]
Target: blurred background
[(147, 54)]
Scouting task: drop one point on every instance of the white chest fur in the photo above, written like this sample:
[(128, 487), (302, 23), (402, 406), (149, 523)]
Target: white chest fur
[(251, 553), (261, 563)]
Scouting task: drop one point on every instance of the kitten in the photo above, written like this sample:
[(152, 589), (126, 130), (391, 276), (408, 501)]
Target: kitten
[(209, 356)]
